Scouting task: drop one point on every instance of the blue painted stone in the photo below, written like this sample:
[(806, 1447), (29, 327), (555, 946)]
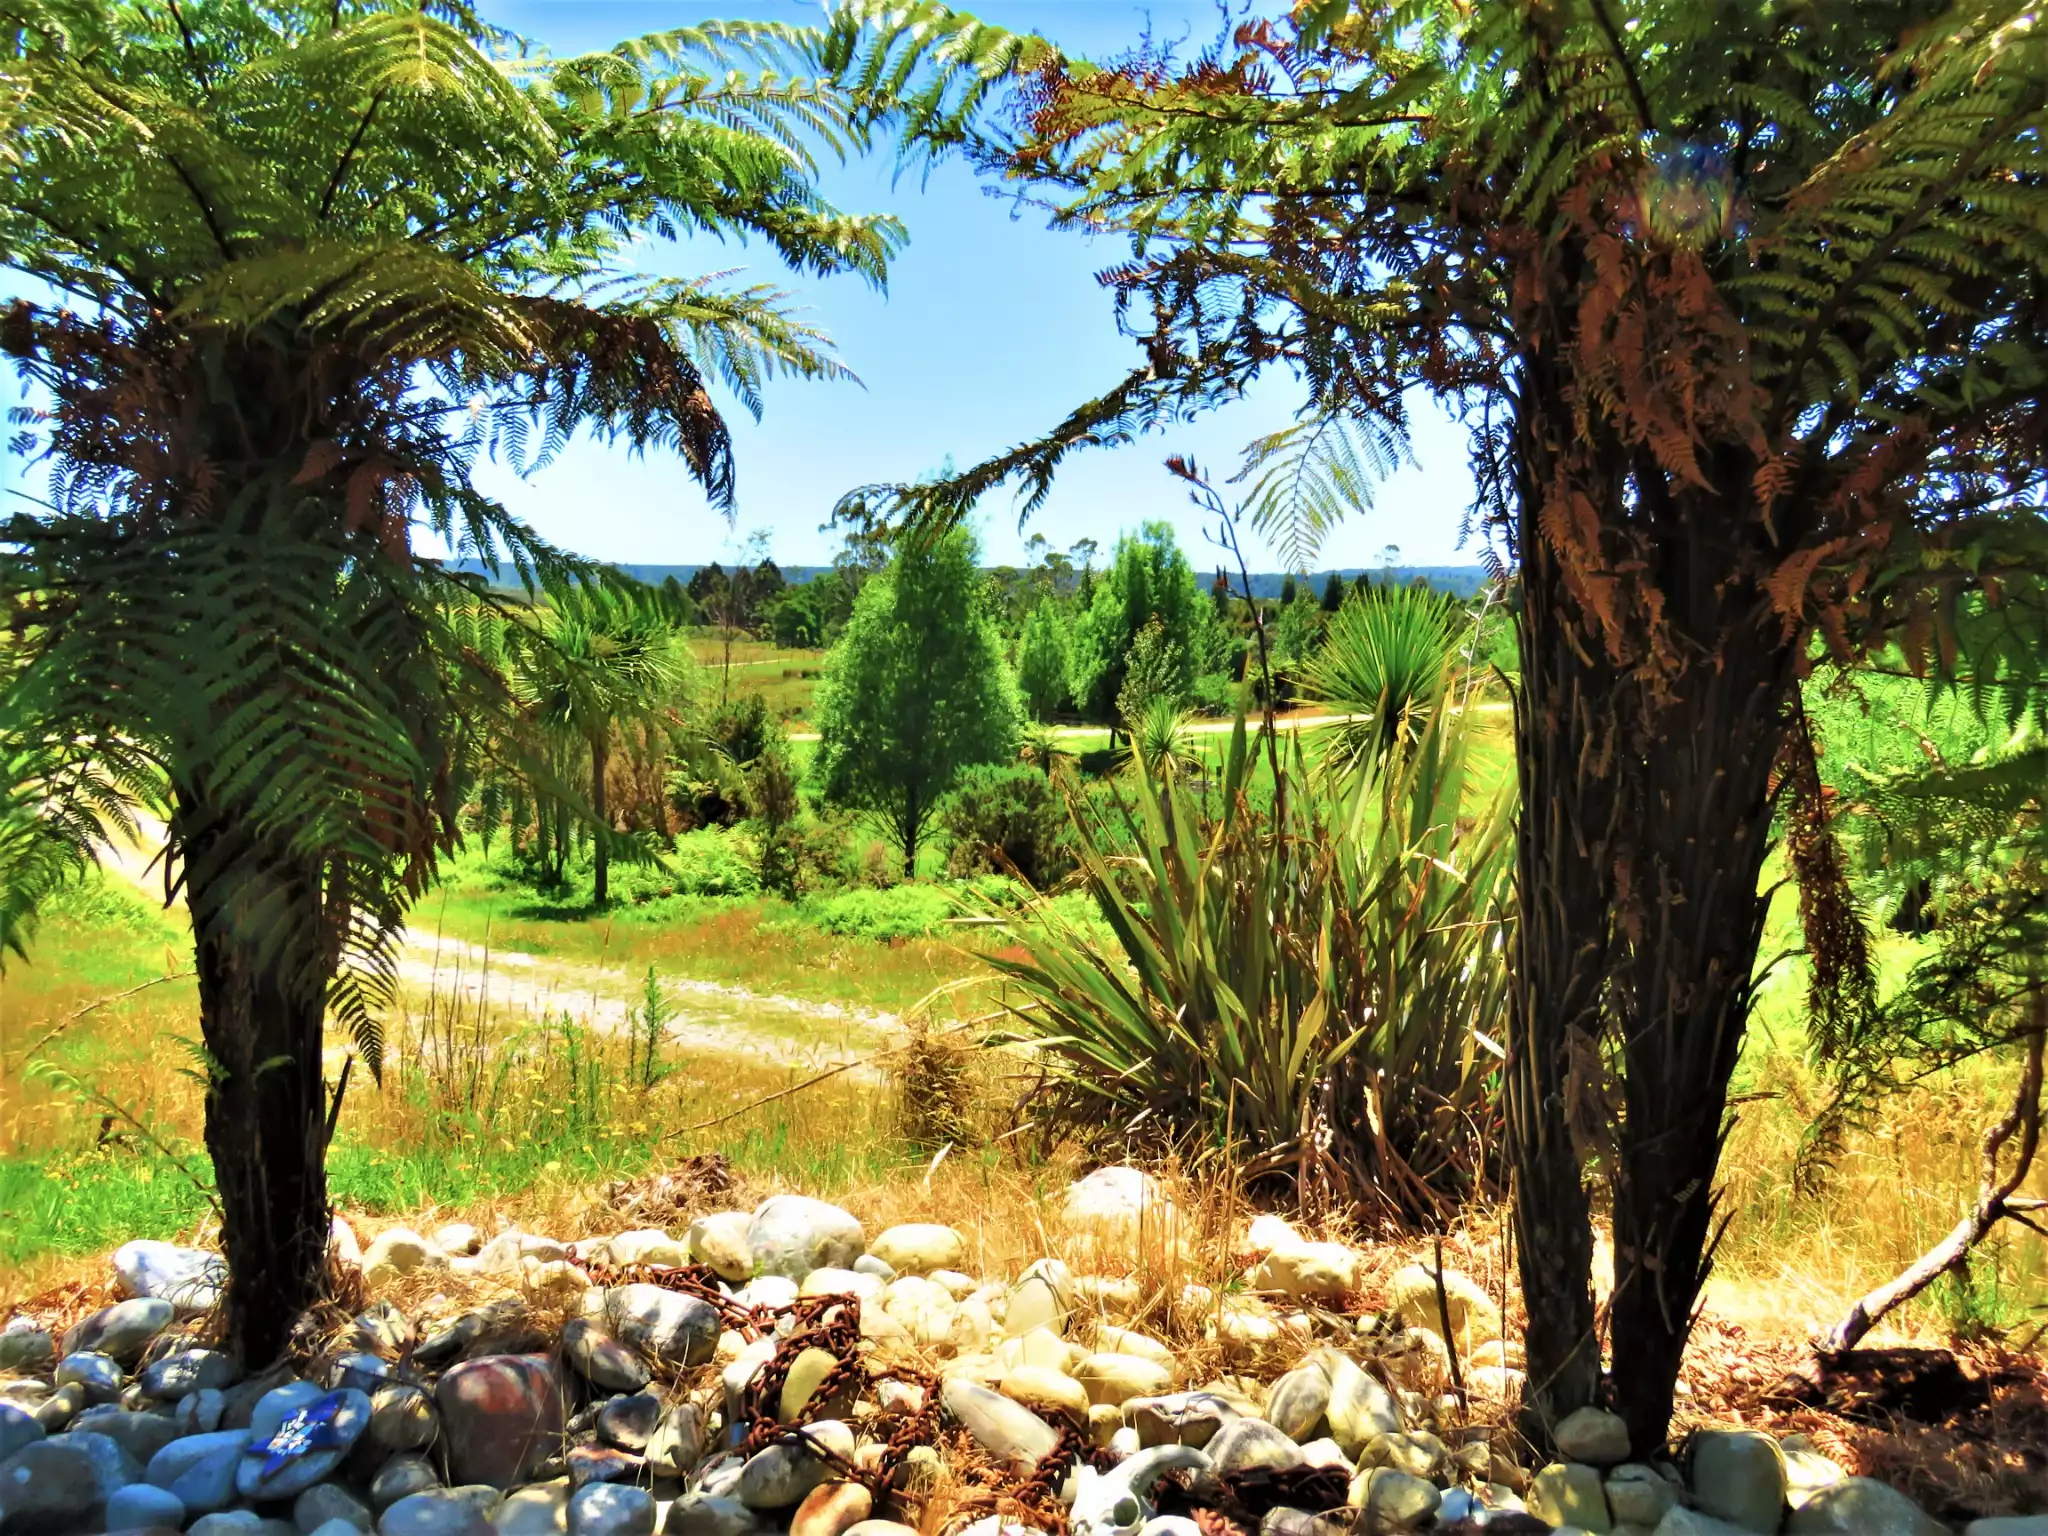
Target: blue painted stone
[(304, 1447)]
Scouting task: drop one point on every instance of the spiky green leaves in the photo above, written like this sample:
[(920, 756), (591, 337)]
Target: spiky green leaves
[(1385, 663), (1312, 983)]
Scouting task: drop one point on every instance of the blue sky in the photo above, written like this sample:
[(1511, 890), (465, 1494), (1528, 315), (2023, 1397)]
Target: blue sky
[(993, 327)]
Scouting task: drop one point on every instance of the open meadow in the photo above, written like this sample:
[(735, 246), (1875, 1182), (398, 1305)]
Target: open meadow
[(518, 1080)]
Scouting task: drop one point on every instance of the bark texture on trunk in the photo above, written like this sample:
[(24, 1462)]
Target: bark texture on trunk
[(600, 760), (910, 823), (1646, 749), (1702, 755), (1564, 733), (258, 944)]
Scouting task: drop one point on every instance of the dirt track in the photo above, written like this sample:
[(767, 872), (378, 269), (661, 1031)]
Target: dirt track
[(441, 972)]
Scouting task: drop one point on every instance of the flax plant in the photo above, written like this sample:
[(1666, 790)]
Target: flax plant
[(1314, 984)]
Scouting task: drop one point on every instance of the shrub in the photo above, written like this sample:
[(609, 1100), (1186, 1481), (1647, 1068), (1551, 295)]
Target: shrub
[(1213, 693), (933, 1076), (744, 730), (1385, 665), (801, 857), (775, 805), (1159, 734), (874, 865), (1003, 818), (1322, 993), (1098, 762), (1155, 668), (712, 861), (909, 911)]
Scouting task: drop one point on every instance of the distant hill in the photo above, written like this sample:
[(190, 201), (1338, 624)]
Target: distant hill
[(1460, 580)]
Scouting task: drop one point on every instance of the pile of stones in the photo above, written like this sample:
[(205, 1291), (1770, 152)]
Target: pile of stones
[(774, 1370)]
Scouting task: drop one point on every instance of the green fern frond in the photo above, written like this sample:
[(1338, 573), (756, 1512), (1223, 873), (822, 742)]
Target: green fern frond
[(1308, 477)]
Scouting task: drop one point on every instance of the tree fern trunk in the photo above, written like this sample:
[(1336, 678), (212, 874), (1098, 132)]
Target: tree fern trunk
[(263, 969), (1564, 731), (600, 757), (1703, 748), (1647, 748)]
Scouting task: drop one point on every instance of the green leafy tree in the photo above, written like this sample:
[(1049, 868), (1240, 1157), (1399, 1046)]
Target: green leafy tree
[(309, 261), (915, 691), (1742, 298), (1148, 580), (1044, 660), (1333, 593), (809, 615), (679, 601), (1297, 627), (732, 603), (764, 585), (1155, 671), (603, 658), (707, 588)]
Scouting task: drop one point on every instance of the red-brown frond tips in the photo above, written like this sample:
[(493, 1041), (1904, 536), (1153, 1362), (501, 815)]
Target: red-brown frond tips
[(624, 375)]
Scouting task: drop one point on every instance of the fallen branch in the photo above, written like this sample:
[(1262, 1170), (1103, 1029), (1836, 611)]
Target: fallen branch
[(1997, 1199), (100, 1002), (780, 1093)]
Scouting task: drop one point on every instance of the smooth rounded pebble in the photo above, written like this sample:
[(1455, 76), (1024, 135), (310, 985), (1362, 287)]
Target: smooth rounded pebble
[(143, 1504)]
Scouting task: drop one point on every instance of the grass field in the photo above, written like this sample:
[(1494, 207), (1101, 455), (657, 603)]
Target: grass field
[(489, 1106), (880, 951), (786, 678), (102, 1142)]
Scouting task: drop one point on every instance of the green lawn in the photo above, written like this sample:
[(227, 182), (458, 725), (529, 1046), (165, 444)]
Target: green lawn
[(761, 943)]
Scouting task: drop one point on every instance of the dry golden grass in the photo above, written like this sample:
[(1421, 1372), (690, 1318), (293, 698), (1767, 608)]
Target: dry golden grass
[(1792, 1262), (519, 1121)]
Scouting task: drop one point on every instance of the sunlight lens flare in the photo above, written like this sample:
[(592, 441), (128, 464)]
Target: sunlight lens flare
[(1688, 195)]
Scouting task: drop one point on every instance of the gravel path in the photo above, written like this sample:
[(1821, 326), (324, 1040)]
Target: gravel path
[(440, 971)]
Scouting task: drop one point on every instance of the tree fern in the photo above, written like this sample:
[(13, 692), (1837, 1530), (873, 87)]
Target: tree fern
[(1746, 298), (315, 260), (1305, 479)]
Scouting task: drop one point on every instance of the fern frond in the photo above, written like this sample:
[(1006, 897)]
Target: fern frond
[(1306, 478)]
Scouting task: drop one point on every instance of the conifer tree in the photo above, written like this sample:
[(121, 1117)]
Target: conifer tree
[(915, 691), (1043, 660)]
